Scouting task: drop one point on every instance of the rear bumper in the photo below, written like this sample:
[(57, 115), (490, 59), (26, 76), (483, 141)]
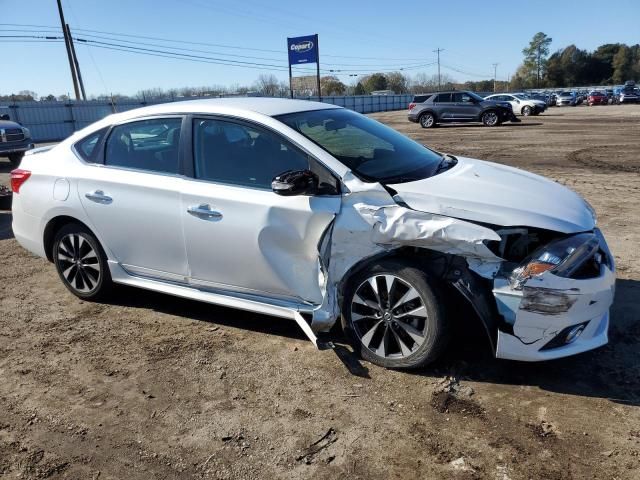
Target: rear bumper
[(412, 118)]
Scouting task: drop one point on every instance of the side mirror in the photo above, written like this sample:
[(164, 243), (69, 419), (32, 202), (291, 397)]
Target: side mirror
[(295, 182)]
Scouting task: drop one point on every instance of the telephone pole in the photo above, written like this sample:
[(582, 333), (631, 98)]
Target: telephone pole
[(495, 69), (76, 64), (438, 50), (69, 54)]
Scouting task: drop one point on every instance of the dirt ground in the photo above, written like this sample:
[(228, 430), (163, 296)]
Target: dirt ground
[(158, 387)]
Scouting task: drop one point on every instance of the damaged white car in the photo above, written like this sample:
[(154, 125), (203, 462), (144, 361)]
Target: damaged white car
[(316, 213)]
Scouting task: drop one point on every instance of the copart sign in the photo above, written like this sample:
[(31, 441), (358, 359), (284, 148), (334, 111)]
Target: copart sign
[(303, 49)]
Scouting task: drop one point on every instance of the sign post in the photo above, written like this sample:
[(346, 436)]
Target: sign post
[(303, 50)]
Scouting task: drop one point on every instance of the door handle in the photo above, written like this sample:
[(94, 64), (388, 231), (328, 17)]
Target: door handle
[(204, 212), (99, 196)]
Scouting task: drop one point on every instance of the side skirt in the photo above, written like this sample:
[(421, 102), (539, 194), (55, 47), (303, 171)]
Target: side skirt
[(250, 303)]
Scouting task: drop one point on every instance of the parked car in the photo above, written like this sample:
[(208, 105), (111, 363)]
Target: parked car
[(14, 139), (460, 106), (597, 97), (520, 103), (629, 93), (566, 98), (315, 213)]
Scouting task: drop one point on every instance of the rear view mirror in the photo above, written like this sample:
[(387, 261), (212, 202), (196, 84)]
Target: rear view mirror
[(295, 182), (333, 125)]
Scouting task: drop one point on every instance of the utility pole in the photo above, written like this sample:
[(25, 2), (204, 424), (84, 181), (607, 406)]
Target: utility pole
[(76, 64), (495, 69), (438, 50), (69, 55)]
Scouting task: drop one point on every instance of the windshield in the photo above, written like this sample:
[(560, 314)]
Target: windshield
[(522, 96), (373, 151)]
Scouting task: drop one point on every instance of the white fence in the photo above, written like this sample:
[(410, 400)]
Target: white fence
[(54, 121)]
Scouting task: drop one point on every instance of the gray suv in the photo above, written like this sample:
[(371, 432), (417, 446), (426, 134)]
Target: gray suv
[(458, 106)]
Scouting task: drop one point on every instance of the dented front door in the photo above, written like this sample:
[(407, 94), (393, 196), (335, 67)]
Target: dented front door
[(254, 240), (239, 234)]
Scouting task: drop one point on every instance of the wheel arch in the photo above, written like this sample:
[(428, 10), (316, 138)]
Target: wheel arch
[(430, 111), (452, 272), (53, 226)]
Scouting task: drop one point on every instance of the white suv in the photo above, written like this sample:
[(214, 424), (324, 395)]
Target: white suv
[(311, 212), (521, 103)]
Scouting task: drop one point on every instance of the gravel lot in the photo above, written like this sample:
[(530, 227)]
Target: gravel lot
[(158, 387)]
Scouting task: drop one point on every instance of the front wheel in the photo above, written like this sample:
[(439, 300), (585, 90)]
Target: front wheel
[(16, 158), (427, 120), (392, 316), (81, 263), (490, 119), (526, 110)]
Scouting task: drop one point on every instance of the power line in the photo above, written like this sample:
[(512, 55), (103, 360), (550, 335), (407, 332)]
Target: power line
[(220, 45)]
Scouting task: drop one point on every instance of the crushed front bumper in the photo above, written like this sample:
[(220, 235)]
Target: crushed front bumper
[(542, 319)]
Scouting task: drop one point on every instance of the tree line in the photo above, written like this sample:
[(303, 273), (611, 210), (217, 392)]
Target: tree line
[(609, 64)]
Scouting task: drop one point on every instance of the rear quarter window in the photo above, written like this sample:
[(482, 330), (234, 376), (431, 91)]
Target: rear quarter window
[(421, 98), (86, 148)]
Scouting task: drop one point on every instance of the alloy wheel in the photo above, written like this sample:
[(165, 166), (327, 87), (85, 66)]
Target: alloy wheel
[(427, 121), (78, 262), (389, 316), (490, 118)]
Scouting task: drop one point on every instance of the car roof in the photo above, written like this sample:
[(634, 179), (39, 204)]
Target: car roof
[(262, 105)]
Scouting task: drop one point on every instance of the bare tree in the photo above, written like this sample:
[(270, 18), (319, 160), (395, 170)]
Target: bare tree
[(268, 85)]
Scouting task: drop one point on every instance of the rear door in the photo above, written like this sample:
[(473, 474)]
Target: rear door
[(445, 108), (240, 235), (133, 197)]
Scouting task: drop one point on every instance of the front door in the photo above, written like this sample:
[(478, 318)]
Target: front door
[(466, 107), (239, 234)]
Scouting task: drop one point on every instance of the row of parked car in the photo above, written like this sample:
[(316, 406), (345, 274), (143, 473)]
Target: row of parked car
[(627, 93)]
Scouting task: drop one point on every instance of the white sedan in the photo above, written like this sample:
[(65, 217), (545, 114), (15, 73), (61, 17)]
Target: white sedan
[(521, 103), (318, 214)]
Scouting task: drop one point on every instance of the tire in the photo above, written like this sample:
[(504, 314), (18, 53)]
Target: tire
[(383, 333), (427, 120), (490, 118), (16, 158), (527, 110), (72, 244)]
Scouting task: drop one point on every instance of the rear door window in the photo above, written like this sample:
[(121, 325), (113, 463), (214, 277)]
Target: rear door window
[(151, 145), (443, 98)]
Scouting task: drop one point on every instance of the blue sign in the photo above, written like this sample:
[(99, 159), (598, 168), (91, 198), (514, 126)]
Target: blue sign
[(303, 49)]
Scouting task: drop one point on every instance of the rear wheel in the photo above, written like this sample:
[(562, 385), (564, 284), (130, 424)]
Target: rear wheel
[(427, 120), (81, 263), (392, 316), (526, 110), (490, 119), (16, 158)]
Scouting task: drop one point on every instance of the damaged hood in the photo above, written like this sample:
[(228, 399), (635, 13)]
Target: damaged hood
[(496, 194)]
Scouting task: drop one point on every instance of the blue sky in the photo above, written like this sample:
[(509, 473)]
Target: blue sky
[(355, 36)]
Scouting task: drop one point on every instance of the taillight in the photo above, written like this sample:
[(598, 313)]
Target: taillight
[(411, 105), (18, 177)]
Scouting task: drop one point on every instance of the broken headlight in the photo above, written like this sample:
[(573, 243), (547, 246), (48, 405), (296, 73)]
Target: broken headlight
[(561, 257)]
